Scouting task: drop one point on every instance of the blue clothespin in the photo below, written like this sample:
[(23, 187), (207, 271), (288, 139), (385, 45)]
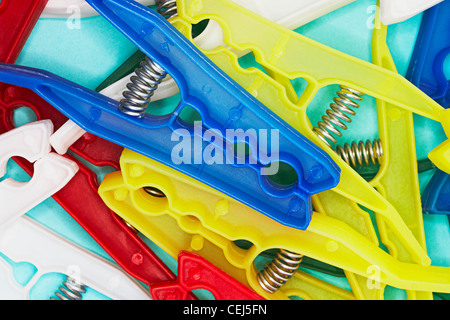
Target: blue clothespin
[(436, 197), (222, 104), (426, 69)]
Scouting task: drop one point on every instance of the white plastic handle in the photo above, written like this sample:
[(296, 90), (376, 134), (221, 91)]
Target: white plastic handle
[(75, 8), (51, 171), (395, 11), (25, 240)]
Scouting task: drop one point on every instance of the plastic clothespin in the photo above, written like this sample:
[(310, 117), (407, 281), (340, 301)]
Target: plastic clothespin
[(436, 197), (67, 8), (426, 68), (222, 104), (51, 171), (395, 11), (17, 20), (105, 227), (195, 272), (290, 56), (25, 245), (194, 217), (291, 14)]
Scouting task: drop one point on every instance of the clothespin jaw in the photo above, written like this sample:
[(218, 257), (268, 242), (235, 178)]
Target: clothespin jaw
[(195, 272), (222, 104)]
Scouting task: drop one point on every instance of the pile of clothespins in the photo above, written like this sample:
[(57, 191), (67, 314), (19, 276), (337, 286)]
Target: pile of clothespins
[(255, 197)]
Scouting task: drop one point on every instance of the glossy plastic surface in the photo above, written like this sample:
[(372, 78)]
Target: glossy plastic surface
[(222, 105), (426, 69), (195, 272), (436, 197), (197, 218), (17, 20)]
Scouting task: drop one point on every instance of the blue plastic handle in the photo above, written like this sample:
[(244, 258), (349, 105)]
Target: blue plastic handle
[(222, 105), (426, 68), (436, 197)]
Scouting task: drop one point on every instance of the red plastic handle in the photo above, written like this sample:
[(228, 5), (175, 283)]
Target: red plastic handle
[(17, 20), (195, 272)]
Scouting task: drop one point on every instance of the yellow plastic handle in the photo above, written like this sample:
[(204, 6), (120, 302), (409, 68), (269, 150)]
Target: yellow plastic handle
[(198, 218)]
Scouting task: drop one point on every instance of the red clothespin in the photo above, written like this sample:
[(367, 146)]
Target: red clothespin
[(195, 272), (79, 198), (17, 20)]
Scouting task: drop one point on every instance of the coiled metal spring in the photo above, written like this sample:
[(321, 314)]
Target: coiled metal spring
[(279, 271), (148, 77), (336, 116), (360, 153), (71, 289)]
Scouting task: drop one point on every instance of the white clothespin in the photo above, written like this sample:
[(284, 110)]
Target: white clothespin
[(79, 8), (288, 13), (395, 11), (28, 245), (51, 171)]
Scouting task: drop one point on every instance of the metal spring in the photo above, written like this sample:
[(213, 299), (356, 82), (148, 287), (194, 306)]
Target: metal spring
[(357, 153), (279, 271), (70, 290), (337, 114), (167, 8), (147, 78)]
